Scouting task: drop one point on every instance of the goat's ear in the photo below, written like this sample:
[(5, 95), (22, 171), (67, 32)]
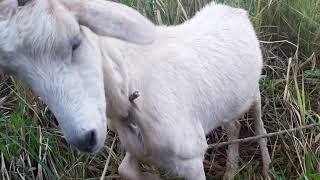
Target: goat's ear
[(7, 8), (112, 19)]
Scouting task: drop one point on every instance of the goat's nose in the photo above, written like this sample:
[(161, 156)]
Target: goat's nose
[(87, 142)]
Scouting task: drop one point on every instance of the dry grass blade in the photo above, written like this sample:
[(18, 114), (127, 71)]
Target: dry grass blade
[(108, 159), (40, 174), (255, 138), (286, 91), (4, 171)]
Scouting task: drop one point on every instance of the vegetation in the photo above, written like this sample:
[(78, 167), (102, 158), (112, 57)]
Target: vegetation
[(32, 146)]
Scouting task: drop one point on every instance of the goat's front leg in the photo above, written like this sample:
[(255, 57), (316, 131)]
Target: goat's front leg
[(129, 169), (233, 130)]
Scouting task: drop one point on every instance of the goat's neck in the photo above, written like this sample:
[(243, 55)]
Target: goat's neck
[(116, 79)]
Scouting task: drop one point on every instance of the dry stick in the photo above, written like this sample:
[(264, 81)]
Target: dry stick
[(254, 138), (40, 174), (108, 159), (286, 92)]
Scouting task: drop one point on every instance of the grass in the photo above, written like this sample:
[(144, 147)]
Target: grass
[(32, 146)]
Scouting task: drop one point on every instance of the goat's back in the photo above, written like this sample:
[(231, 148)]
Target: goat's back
[(208, 68)]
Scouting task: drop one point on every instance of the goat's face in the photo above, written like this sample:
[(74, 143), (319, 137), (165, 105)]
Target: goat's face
[(44, 45)]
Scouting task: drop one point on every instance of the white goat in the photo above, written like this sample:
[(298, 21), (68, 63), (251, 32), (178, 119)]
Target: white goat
[(192, 78)]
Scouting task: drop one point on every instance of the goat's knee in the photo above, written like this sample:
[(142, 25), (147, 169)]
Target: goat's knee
[(190, 169), (129, 168)]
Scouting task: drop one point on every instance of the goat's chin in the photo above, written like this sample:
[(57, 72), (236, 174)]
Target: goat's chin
[(92, 152)]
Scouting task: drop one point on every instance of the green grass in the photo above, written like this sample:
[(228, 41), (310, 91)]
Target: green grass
[(32, 146)]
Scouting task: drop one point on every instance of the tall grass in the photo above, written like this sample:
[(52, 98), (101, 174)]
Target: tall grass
[(32, 146)]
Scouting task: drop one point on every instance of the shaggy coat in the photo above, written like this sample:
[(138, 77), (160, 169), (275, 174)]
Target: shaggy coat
[(87, 56)]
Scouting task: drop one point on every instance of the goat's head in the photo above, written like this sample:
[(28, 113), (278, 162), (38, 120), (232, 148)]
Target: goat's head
[(49, 45)]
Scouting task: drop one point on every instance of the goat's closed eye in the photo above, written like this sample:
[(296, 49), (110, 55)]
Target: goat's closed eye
[(22, 2), (76, 42)]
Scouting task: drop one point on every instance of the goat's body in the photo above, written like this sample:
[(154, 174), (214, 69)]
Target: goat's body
[(194, 78), (202, 69)]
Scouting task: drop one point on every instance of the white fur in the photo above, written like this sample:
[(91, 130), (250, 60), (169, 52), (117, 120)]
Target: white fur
[(192, 78), (36, 46), (112, 19)]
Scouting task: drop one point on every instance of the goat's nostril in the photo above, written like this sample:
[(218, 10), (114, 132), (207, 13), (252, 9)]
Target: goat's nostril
[(91, 139), (87, 142)]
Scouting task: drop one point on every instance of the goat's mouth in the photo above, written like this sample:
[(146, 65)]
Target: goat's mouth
[(87, 148), (85, 142), (88, 141)]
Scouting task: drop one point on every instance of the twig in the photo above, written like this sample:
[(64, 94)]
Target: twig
[(108, 159), (281, 41), (254, 138)]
